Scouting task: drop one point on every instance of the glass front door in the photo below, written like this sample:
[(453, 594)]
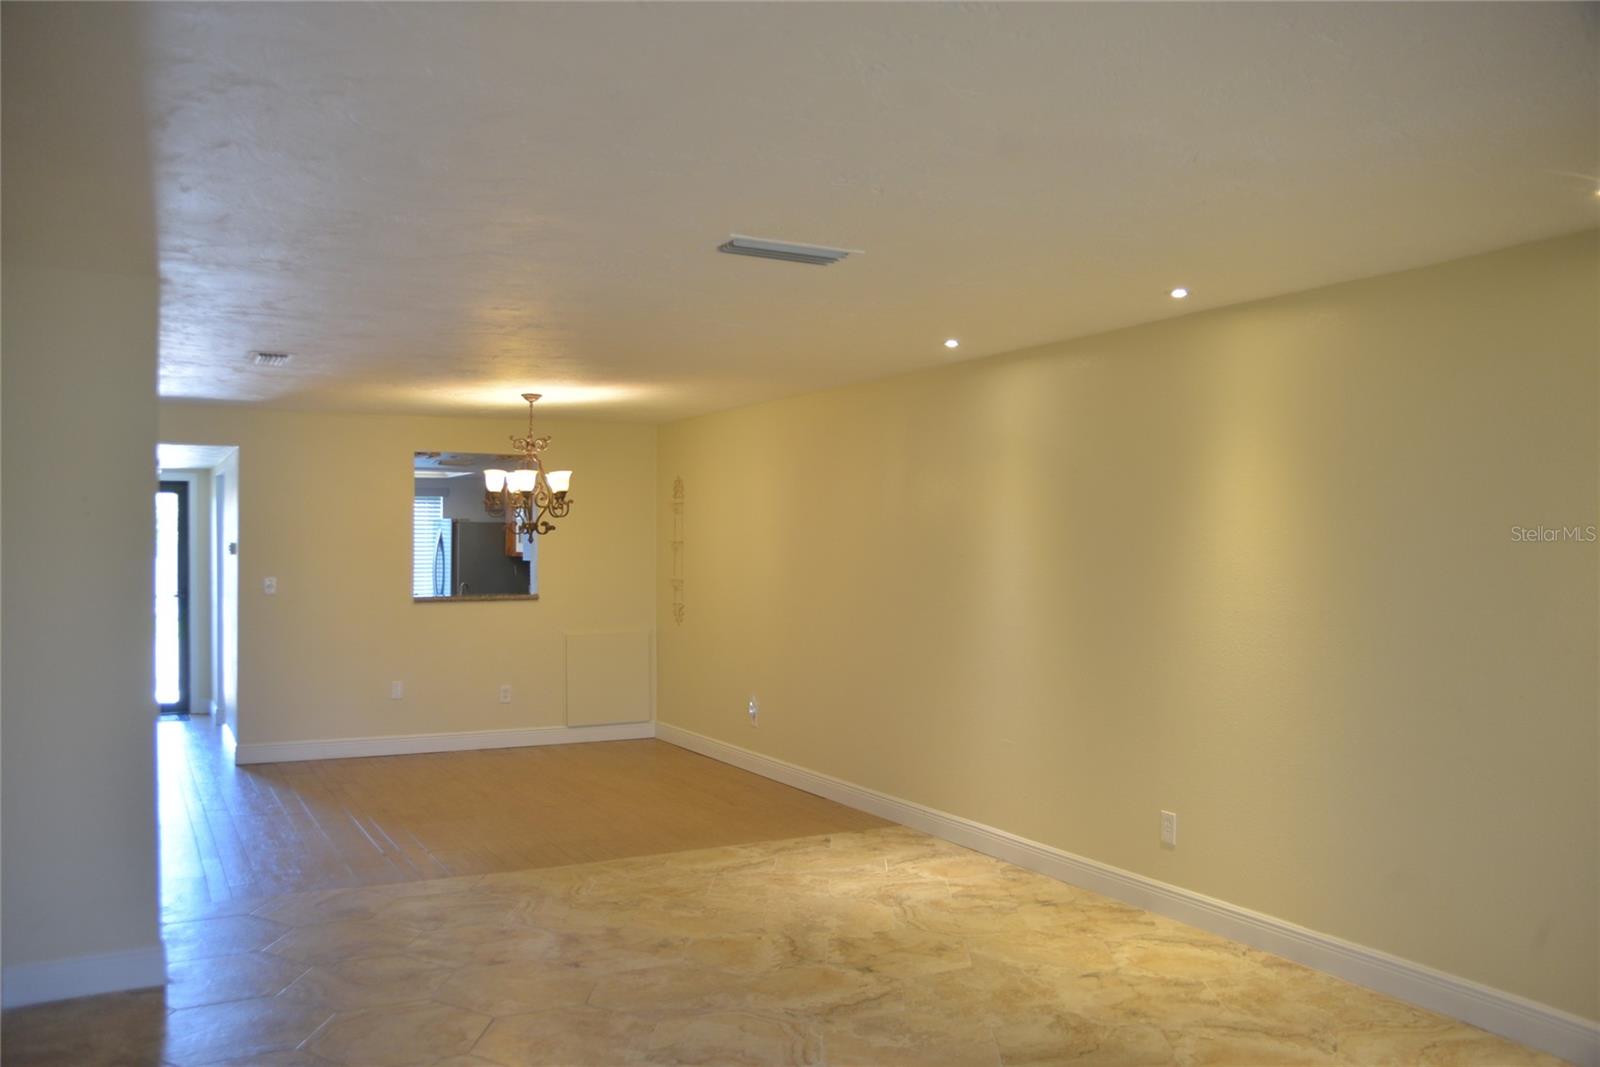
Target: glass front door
[(172, 597)]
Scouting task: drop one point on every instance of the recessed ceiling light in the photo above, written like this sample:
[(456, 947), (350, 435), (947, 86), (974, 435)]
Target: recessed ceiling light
[(952, 343), (1179, 293)]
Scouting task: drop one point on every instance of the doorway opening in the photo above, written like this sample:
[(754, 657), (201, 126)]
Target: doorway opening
[(196, 652), (172, 607), (196, 581)]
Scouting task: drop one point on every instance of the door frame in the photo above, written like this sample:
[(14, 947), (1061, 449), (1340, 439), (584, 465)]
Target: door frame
[(185, 697)]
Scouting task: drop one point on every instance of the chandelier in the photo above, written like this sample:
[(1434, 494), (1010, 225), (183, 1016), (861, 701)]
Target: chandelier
[(530, 495)]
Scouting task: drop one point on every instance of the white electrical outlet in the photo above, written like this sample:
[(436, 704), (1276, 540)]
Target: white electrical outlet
[(755, 712), (505, 694), (397, 690), (1169, 829), (269, 586)]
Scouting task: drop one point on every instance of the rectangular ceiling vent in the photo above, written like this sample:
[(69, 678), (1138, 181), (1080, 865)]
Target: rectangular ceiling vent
[(269, 359), (788, 251)]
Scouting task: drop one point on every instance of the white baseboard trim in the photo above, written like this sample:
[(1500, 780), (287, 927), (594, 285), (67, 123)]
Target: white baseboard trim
[(1557, 1032), (407, 744), (82, 976)]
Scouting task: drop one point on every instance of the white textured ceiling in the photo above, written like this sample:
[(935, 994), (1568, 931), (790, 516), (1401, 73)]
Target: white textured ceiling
[(437, 206)]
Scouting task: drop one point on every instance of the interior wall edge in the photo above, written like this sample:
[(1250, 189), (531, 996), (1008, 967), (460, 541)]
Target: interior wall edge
[(1540, 1026), (79, 789)]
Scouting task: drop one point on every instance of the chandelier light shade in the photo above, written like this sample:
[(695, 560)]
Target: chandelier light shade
[(528, 497)]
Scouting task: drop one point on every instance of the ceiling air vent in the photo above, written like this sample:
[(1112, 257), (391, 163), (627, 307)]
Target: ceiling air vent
[(789, 252), (269, 359)]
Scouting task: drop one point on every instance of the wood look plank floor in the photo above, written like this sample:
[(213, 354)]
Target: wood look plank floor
[(237, 833)]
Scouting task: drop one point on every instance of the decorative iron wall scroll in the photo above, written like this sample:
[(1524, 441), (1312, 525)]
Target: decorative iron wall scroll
[(677, 551)]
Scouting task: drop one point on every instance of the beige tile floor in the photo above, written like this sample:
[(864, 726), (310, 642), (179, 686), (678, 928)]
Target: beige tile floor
[(880, 947)]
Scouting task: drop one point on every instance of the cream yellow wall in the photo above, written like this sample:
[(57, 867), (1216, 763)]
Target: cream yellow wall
[(325, 507), (78, 333), (79, 752), (1254, 565)]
